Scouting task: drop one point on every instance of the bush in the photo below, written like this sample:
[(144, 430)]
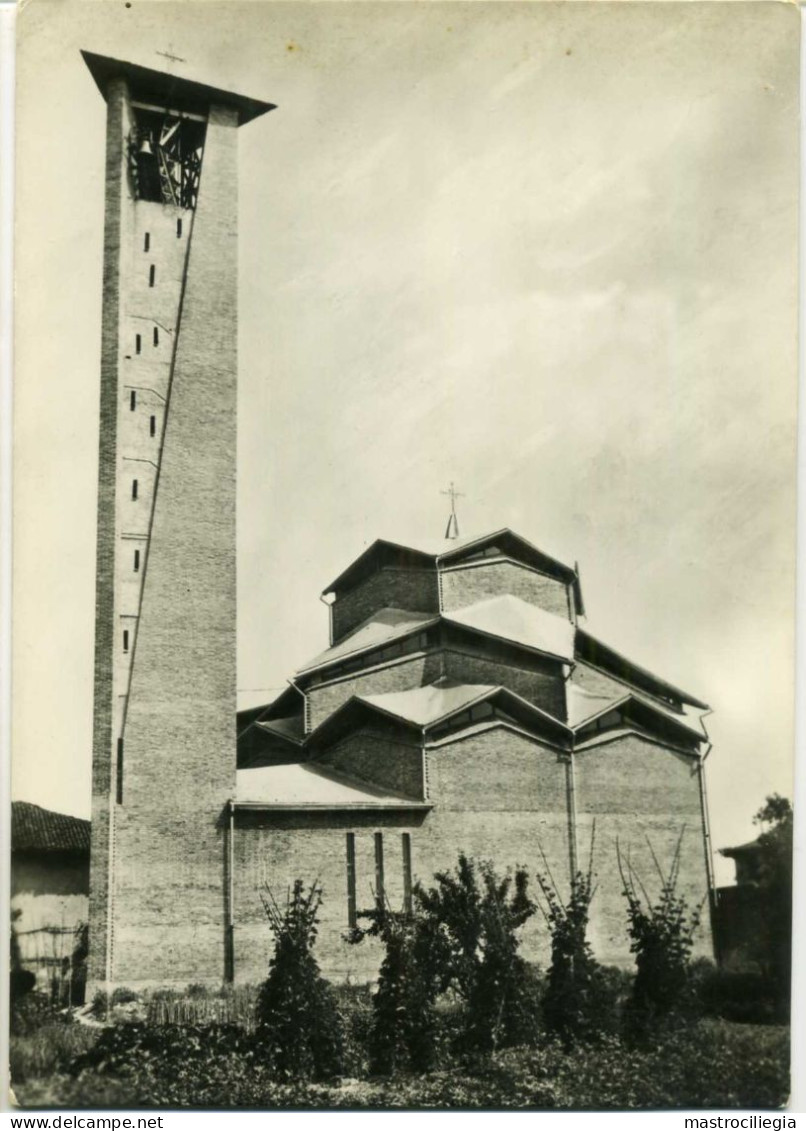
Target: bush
[(470, 940), (747, 996), (580, 1002), (299, 1027), (662, 936), (32, 1011), (403, 1026), (709, 1065)]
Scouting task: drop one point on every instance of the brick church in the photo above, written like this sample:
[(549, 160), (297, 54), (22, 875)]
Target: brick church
[(460, 704), (462, 707)]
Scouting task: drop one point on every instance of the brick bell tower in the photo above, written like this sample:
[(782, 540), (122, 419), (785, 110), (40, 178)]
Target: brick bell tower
[(164, 713)]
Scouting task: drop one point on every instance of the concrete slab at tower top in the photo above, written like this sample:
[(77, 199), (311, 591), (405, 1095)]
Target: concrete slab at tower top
[(175, 93)]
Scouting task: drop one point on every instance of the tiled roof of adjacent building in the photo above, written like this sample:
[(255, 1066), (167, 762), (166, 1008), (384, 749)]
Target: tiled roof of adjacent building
[(36, 829)]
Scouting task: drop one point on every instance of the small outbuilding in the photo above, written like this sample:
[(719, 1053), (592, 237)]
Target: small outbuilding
[(50, 873)]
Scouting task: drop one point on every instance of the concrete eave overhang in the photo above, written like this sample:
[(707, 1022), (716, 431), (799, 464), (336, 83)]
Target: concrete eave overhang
[(337, 807), (175, 92)]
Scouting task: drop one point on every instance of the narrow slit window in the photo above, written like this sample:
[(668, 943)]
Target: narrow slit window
[(407, 906), (136, 561), (138, 342), (179, 228), (380, 895), (134, 488), (351, 908), (152, 274), (125, 639), (119, 785), (153, 426), (147, 241), (156, 336), (132, 400)]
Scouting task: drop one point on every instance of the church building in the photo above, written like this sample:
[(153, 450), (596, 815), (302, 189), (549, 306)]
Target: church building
[(462, 707)]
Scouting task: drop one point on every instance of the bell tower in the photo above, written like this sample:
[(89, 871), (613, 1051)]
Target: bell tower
[(164, 711)]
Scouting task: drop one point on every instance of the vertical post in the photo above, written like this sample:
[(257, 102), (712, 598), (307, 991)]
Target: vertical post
[(571, 805), (229, 952), (351, 908), (407, 904), (380, 899)]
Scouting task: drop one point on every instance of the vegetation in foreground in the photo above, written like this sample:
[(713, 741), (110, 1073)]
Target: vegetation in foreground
[(712, 1064), (458, 1019)]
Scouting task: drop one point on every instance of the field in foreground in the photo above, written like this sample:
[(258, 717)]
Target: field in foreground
[(709, 1064)]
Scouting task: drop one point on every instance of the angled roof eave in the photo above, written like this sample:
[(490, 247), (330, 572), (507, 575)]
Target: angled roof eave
[(549, 721), (568, 573), (355, 703), (507, 640), (645, 705), (364, 556), (438, 556), (381, 644), (670, 688)]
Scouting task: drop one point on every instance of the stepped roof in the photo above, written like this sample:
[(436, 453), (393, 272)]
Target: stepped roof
[(383, 627), (589, 648), (584, 708), (424, 705), (511, 618), (506, 618), (307, 785), (434, 551)]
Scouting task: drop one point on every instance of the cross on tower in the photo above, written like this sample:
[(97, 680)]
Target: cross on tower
[(453, 523), (173, 58)]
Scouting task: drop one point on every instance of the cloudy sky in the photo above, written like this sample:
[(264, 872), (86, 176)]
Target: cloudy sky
[(547, 251)]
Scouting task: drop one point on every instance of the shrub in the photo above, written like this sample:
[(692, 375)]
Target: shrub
[(472, 917), (747, 996), (580, 1002), (662, 936), (32, 1011), (122, 995), (299, 1026), (403, 1026)]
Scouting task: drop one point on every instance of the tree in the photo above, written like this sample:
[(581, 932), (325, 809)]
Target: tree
[(773, 949), (474, 916), (299, 1026)]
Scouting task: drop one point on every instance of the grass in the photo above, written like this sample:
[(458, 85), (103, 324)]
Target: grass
[(711, 1064), (49, 1049)]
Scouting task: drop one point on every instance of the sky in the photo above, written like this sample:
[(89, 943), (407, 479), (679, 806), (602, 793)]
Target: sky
[(546, 251)]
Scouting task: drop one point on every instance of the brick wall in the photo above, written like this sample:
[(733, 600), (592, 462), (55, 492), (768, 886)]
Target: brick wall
[(179, 754), (415, 672), (117, 209), (415, 590), (466, 586), (497, 795), (638, 791), (379, 758), (276, 849), (545, 688)]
